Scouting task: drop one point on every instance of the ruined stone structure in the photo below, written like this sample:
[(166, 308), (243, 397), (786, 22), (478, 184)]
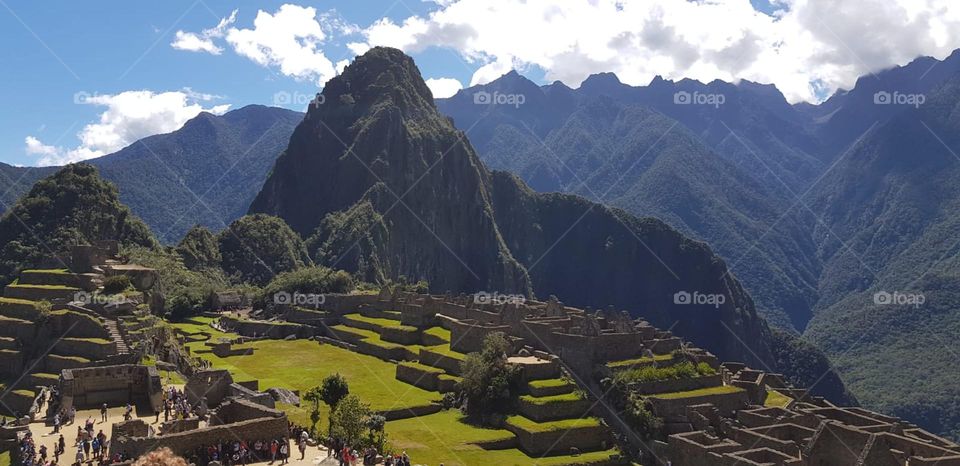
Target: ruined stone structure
[(234, 419), (715, 419), (54, 318), (90, 387)]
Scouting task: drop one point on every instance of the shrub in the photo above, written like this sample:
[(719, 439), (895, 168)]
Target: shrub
[(683, 370), (641, 419), (349, 420), (333, 390), (489, 383), (116, 284)]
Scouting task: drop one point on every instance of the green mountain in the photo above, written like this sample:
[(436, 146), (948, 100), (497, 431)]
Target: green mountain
[(72, 206), (204, 173), (16, 181), (385, 186), (894, 201), (631, 156)]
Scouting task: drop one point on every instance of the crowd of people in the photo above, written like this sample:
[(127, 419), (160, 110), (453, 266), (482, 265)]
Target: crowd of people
[(349, 456), (241, 452)]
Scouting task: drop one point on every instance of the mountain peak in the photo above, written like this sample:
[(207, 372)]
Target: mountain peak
[(382, 74)]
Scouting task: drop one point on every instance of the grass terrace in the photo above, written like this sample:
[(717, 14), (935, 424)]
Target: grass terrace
[(379, 322), (776, 399), (438, 332), (718, 390), (545, 400), (627, 363), (525, 424), (446, 438)]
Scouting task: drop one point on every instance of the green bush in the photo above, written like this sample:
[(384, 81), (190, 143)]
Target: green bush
[(116, 284), (641, 419), (489, 382), (683, 370)]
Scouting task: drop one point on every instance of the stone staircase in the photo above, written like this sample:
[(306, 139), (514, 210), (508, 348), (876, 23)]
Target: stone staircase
[(113, 328)]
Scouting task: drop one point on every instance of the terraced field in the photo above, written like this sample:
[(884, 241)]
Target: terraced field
[(429, 366)]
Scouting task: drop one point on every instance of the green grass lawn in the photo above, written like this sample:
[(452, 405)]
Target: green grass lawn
[(5, 458), (543, 400), (438, 332), (385, 323), (445, 438), (302, 364), (776, 399), (631, 362), (563, 424), (548, 383), (719, 390)]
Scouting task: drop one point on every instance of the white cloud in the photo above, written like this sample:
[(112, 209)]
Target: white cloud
[(128, 117), (804, 46), (443, 87), (290, 39), (35, 147), (203, 42)]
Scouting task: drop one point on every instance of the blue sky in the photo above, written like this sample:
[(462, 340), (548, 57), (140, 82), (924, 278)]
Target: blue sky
[(56, 49), (82, 79)]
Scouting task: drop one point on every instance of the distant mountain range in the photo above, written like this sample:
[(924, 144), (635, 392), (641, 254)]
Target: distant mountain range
[(816, 207), (205, 173), (384, 186)]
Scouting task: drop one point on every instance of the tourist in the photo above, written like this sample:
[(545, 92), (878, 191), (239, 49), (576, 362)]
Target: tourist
[(302, 445), (79, 456), (56, 423), (103, 413), (273, 451), (284, 452)]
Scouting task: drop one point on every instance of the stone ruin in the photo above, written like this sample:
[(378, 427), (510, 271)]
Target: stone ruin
[(227, 411), (91, 387), (732, 427)]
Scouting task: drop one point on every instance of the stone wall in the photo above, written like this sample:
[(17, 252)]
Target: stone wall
[(184, 442), (727, 404), (209, 385), (92, 386), (90, 349), (277, 330), (676, 385)]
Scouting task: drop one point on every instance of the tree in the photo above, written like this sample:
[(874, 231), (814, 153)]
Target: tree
[(333, 390), (199, 249), (489, 382), (641, 418), (314, 396), (255, 248), (349, 419), (376, 424)]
